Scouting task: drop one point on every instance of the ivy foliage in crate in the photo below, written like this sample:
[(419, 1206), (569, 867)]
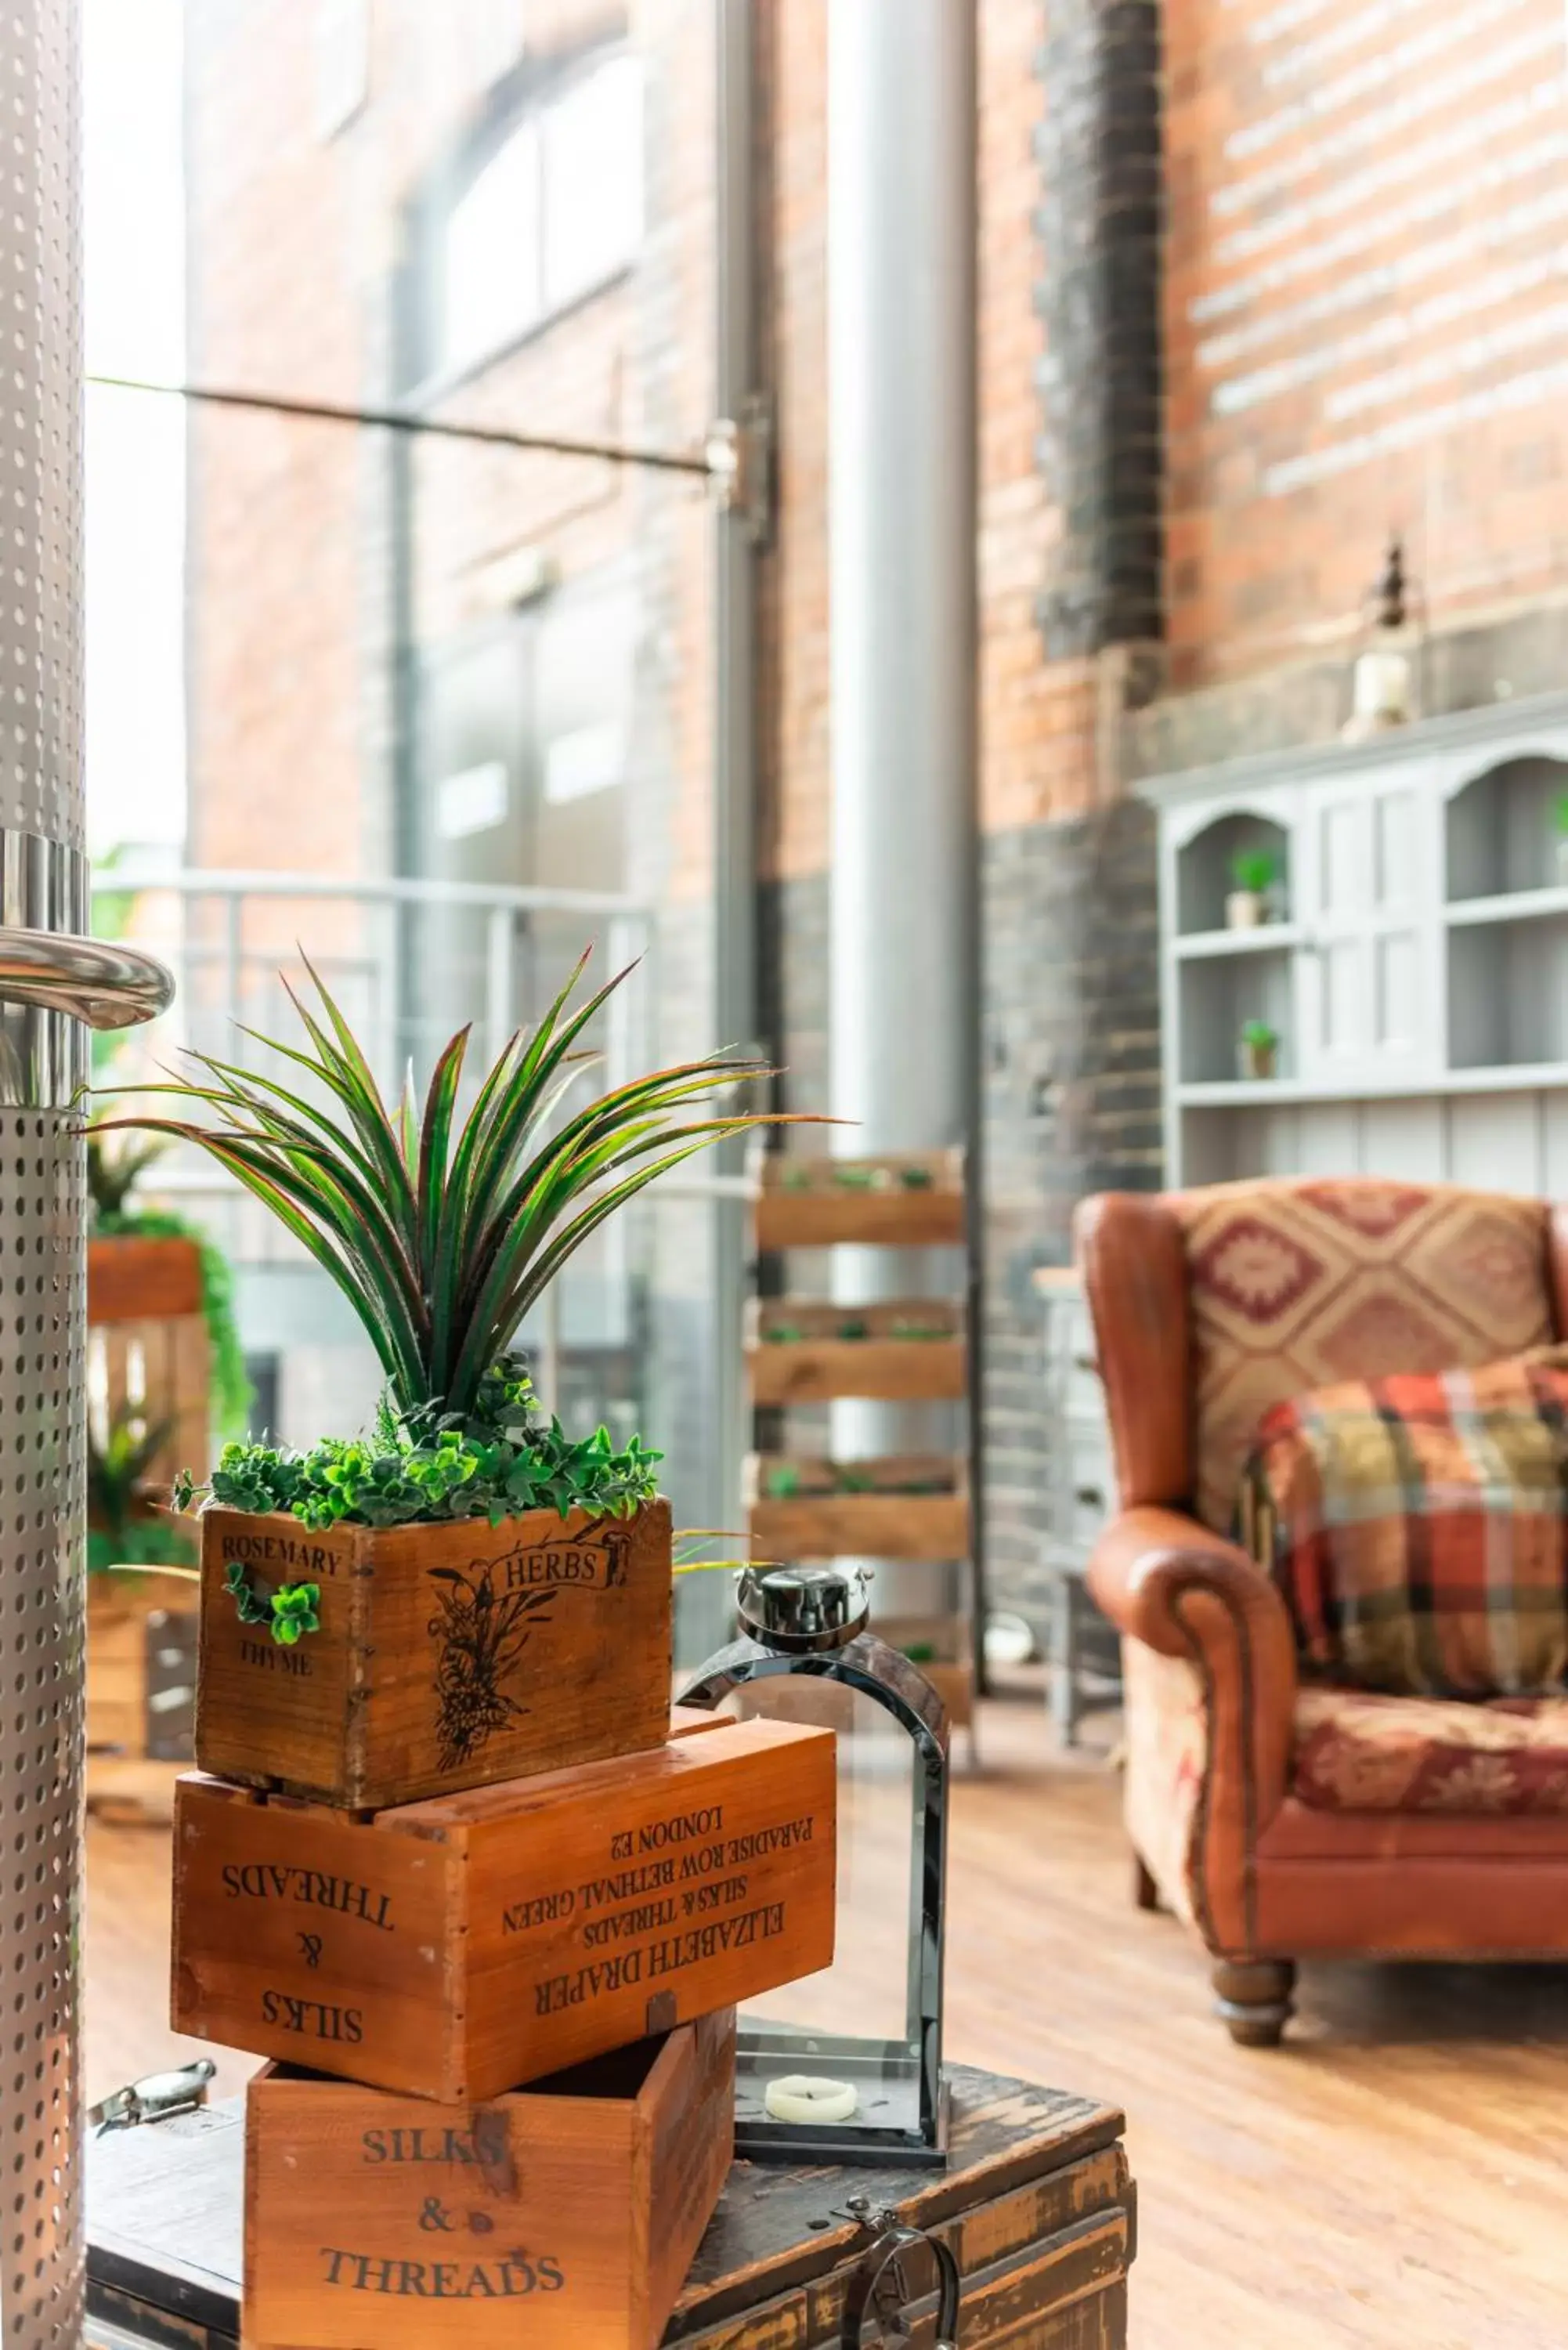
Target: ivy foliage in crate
[(425, 1467), (442, 1234)]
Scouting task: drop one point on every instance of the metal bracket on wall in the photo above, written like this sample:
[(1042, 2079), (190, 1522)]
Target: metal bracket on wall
[(741, 454)]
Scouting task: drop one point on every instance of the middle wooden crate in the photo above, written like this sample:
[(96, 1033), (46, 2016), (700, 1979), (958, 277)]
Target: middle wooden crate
[(465, 1946)]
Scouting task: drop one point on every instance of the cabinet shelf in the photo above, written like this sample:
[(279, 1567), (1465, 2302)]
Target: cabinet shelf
[(1269, 937), (1511, 906), (1498, 1077)]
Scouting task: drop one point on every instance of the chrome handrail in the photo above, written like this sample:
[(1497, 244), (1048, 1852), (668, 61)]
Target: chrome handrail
[(100, 983)]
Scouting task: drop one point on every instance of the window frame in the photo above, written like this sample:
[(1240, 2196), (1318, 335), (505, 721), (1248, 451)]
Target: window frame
[(524, 97)]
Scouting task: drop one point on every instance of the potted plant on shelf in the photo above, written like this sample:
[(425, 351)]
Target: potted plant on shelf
[(147, 1265), (1254, 872), (1258, 1050), (466, 1594)]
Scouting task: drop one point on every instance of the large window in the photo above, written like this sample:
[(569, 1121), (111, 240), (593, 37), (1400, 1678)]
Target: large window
[(553, 213)]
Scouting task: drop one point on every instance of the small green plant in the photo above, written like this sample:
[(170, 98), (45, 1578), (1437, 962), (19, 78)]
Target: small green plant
[(1255, 871), (851, 1478), (113, 1171), (795, 1177), (1259, 1037), (849, 1176), (904, 1326), (1560, 814), (120, 1530), (854, 1325), (916, 1179), (782, 1333), (289, 1613), (781, 1481), (921, 1652)]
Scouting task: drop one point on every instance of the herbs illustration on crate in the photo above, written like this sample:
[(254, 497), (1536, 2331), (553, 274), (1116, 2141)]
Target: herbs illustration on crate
[(481, 1635), (511, 1580)]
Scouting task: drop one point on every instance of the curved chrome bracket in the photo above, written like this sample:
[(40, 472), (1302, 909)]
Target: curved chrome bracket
[(95, 981)]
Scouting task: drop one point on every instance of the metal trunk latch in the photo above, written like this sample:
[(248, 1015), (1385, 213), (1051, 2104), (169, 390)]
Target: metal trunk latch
[(879, 2288), (155, 2097)]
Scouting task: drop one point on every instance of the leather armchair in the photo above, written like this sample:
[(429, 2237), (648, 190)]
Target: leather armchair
[(1186, 1291)]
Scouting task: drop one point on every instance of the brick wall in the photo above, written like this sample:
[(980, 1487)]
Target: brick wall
[(1366, 312)]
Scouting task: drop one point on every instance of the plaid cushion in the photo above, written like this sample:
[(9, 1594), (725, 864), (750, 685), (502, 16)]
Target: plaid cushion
[(1415, 1525)]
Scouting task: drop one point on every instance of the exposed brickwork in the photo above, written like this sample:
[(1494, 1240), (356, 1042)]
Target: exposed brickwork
[(1070, 1033), (1101, 442), (1364, 315)]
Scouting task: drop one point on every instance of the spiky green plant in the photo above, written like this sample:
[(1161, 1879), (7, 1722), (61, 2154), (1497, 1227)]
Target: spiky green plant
[(120, 1532), (113, 1173), (442, 1237)]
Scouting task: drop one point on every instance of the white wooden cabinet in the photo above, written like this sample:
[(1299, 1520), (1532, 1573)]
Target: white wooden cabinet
[(1415, 971)]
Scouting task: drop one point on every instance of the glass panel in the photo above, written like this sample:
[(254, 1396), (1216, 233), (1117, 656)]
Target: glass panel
[(437, 710), (592, 180), (855, 2022), (491, 255)]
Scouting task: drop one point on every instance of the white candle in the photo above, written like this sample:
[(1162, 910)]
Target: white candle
[(806, 2097)]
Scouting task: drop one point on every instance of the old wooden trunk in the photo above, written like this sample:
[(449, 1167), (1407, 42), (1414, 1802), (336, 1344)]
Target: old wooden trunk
[(461, 1947), (447, 1656), (1037, 2205), (563, 2215)]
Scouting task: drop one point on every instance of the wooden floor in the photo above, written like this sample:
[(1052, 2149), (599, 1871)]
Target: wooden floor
[(1395, 2178)]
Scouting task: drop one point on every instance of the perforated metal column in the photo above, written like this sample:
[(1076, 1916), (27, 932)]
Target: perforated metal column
[(42, 1305)]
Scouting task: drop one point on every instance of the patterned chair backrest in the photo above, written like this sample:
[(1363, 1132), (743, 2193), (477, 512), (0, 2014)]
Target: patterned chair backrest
[(1296, 1284)]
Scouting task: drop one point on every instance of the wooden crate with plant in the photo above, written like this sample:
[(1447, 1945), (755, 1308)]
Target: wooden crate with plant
[(801, 1506), (903, 1351), (465, 1594), (914, 1200)]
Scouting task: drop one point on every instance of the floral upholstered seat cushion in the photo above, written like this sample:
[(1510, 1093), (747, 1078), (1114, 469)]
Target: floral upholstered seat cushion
[(1300, 1285), (1416, 1527), (1357, 1752)]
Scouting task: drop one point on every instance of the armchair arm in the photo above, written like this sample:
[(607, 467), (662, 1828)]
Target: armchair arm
[(1185, 1591)]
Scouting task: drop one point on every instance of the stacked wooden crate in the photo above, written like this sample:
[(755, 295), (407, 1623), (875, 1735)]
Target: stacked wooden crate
[(149, 1353), (452, 1866), (800, 1353)]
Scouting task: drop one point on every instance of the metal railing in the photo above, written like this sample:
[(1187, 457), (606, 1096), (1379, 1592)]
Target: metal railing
[(410, 959)]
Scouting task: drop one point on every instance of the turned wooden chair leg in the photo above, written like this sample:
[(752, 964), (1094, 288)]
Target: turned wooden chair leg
[(1253, 2000), (1146, 1892)]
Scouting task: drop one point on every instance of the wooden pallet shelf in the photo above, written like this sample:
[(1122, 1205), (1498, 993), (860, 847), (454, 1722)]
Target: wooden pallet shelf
[(943, 1648), (818, 1517), (911, 1350), (913, 1201)]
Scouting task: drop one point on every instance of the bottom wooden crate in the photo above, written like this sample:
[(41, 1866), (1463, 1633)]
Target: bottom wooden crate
[(1037, 2205), (567, 2213)]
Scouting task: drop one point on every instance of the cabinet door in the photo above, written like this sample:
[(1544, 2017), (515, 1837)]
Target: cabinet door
[(1370, 998)]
